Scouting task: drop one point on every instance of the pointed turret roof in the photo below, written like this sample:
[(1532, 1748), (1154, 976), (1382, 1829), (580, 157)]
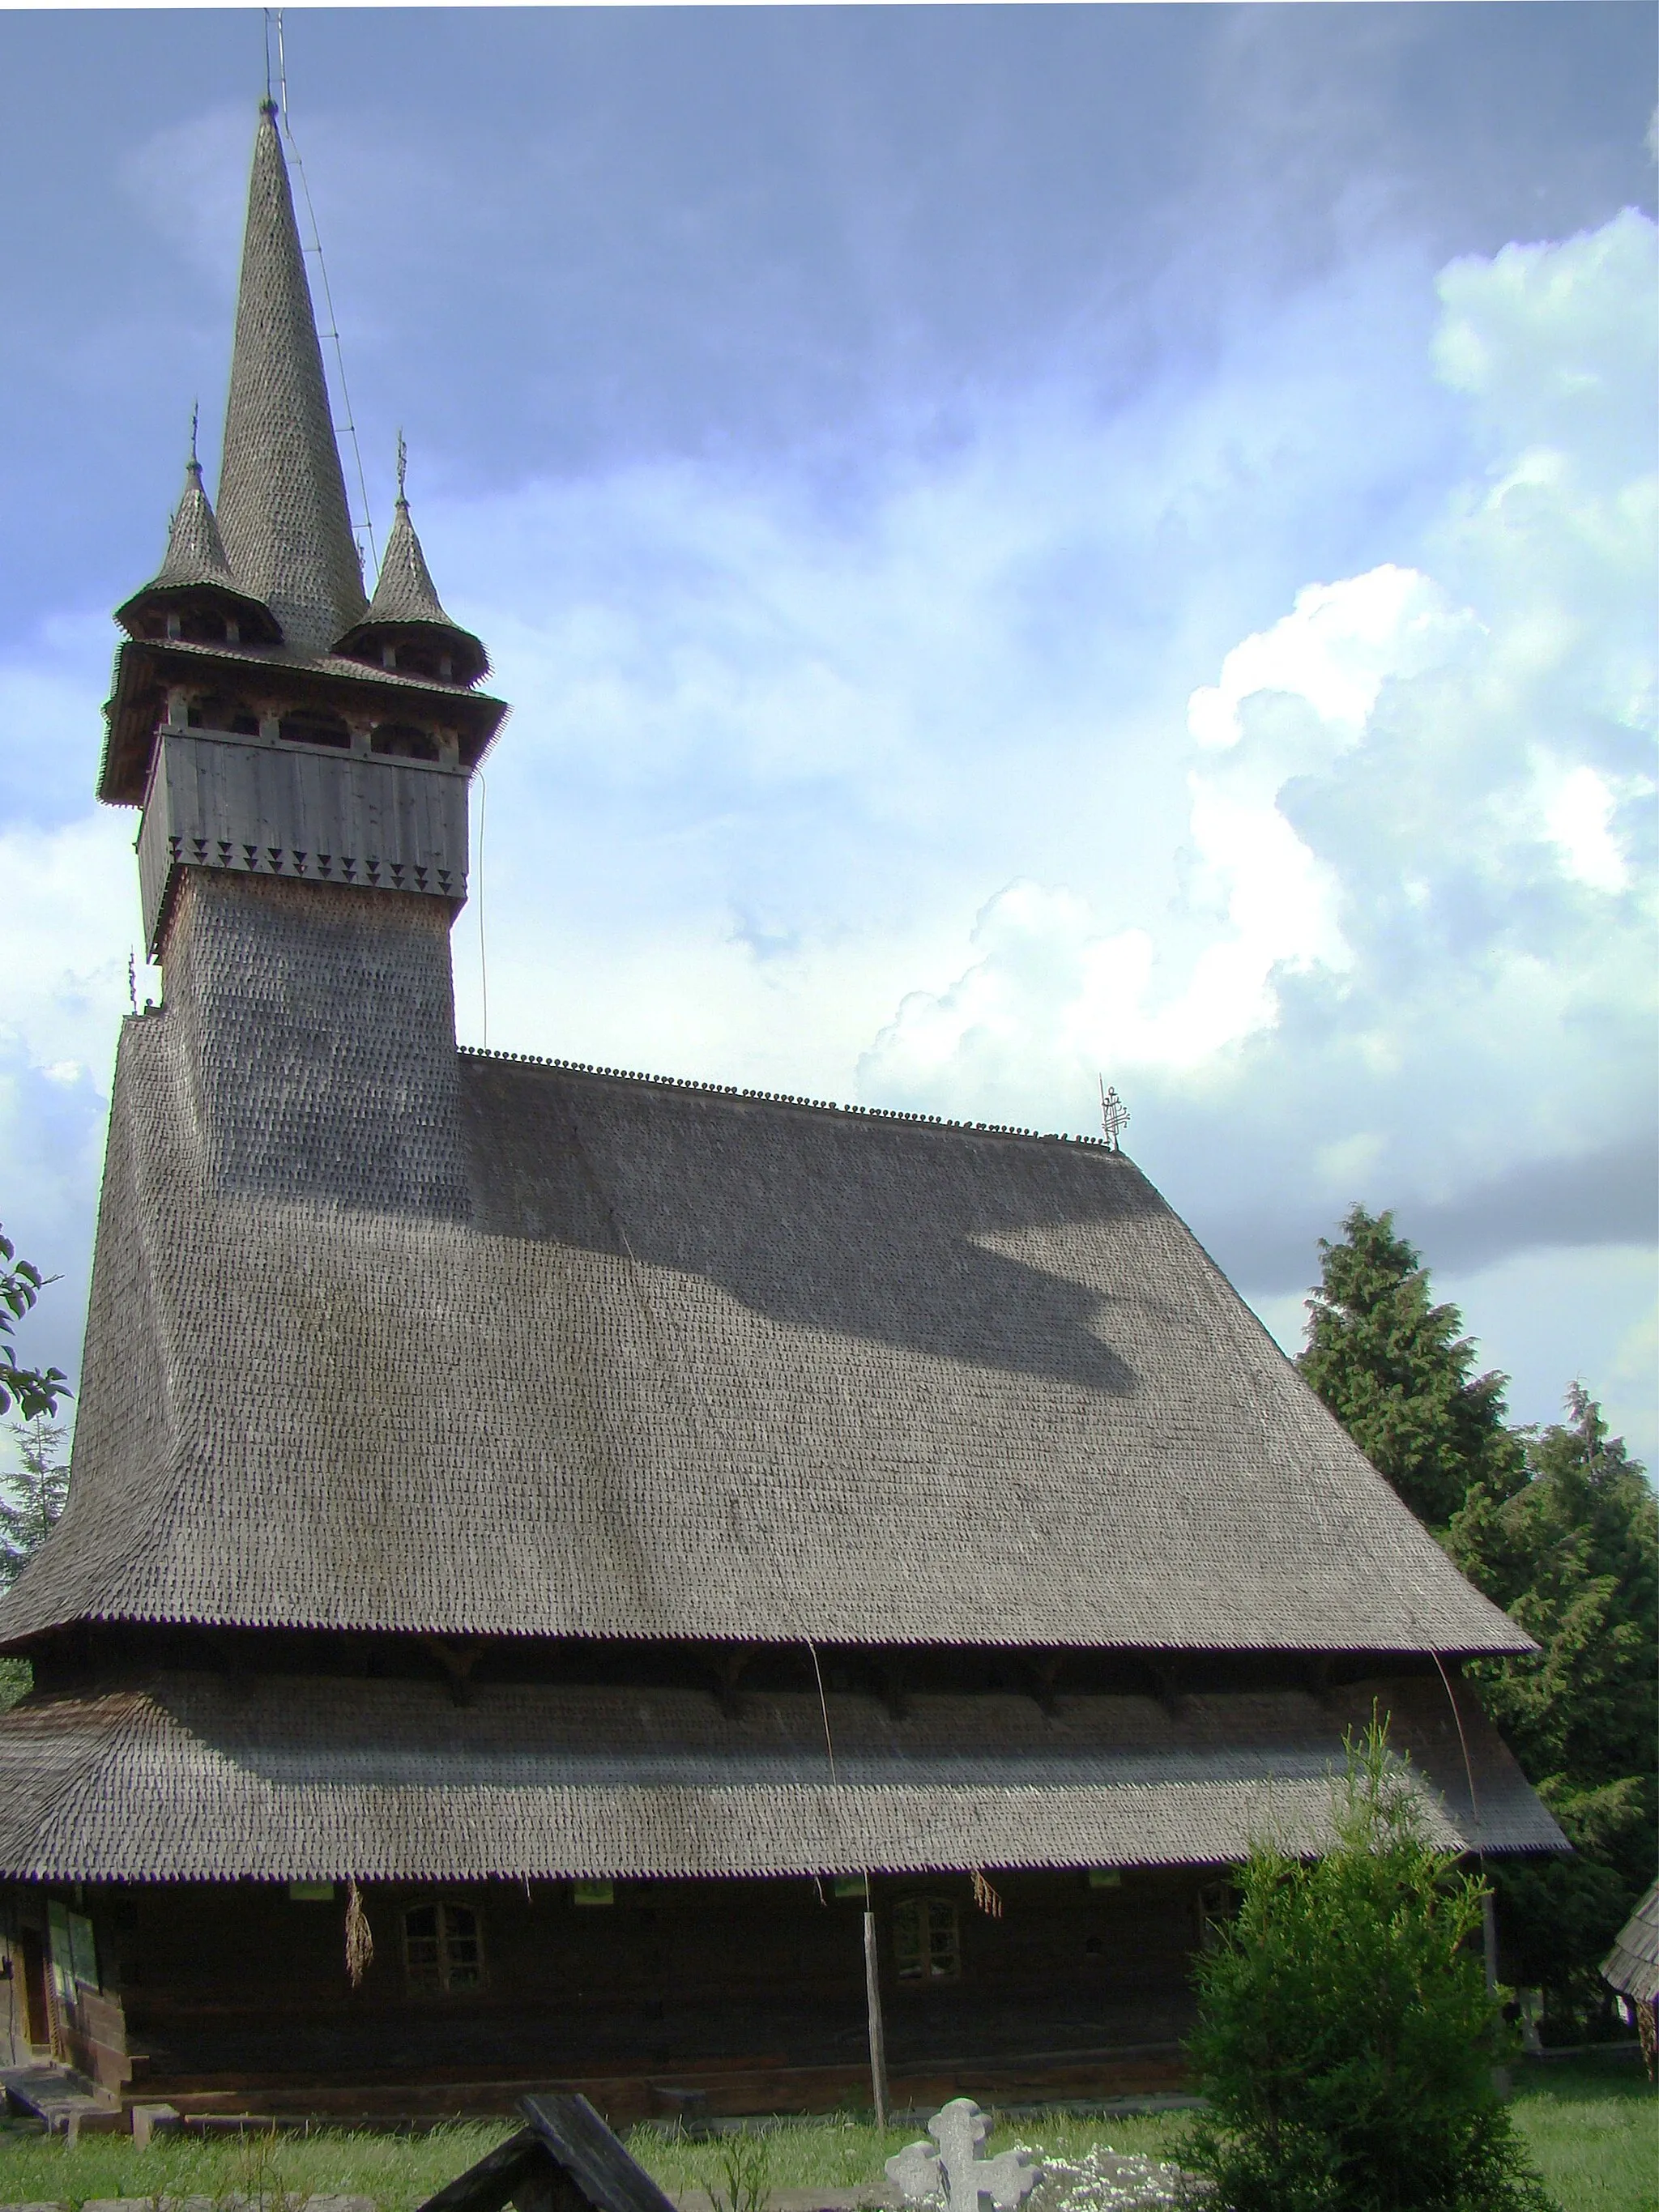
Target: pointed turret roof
[(194, 570), (283, 509), (405, 592), (406, 605), (195, 552)]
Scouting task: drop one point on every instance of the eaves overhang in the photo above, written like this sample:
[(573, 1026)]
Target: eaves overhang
[(147, 669)]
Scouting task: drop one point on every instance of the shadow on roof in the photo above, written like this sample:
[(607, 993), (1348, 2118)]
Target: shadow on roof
[(856, 1227)]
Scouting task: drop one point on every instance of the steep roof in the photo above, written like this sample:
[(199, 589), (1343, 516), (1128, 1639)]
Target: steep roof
[(695, 1363), (406, 602), (1632, 1965), (295, 1777), (404, 591), (195, 554), (283, 509)]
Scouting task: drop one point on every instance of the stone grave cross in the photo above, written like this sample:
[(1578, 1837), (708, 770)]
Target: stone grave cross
[(956, 2171)]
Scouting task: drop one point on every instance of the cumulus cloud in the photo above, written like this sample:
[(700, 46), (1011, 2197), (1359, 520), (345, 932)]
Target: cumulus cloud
[(1418, 841)]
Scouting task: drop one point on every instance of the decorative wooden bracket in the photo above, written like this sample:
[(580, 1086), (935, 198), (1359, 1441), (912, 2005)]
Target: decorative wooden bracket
[(1043, 1668), (458, 1662), (728, 1663)]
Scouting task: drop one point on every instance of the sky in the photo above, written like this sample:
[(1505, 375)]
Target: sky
[(1025, 545)]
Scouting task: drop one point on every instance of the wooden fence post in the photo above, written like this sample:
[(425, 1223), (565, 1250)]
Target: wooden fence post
[(878, 2035)]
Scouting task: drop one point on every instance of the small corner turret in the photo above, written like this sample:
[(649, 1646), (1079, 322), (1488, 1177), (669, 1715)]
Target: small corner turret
[(405, 628), (193, 595)]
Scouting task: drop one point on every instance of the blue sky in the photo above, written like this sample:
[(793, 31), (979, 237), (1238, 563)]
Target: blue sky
[(1022, 543)]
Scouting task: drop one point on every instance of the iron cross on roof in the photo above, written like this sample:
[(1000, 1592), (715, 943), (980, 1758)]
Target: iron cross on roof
[(1114, 1116), (954, 2169)]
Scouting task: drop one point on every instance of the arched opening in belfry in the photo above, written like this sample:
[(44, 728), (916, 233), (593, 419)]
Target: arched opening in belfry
[(314, 726), (404, 741), (218, 710)]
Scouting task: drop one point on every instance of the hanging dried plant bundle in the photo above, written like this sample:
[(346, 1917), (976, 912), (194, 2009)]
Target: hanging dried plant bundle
[(359, 1937), (985, 1896)]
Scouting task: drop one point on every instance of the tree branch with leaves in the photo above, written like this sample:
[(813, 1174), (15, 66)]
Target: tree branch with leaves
[(31, 1391)]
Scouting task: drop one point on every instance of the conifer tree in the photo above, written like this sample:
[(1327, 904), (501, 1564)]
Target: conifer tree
[(32, 1496), (1573, 1556), (1396, 1371)]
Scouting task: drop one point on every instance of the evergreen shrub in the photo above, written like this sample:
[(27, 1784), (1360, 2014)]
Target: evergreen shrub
[(1347, 2040)]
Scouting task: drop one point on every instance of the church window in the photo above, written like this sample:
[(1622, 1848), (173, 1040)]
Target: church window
[(441, 1952), (403, 741), (313, 725), (927, 1940)]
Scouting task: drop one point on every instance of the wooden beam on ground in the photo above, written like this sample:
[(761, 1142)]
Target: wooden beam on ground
[(565, 2158)]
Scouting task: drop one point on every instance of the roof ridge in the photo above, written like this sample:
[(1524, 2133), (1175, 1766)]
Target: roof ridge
[(790, 1098)]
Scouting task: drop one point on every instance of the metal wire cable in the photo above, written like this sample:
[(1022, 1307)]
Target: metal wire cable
[(316, 248)]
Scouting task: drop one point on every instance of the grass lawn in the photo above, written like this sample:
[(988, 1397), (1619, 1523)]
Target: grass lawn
[(1593, 2124)]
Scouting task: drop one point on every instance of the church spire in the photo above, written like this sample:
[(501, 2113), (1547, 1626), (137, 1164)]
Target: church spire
[(283, 510)]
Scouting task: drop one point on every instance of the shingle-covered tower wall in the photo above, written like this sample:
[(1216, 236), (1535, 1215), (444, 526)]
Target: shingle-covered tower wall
[(318, 1027)]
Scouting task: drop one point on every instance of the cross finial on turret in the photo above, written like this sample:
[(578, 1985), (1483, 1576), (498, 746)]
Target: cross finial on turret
[(402, 469), (195, 421)]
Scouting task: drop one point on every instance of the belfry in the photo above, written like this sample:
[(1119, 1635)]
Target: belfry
[(609, 1534)]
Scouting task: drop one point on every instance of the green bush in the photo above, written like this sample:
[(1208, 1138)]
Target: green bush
[(1345, 2037)]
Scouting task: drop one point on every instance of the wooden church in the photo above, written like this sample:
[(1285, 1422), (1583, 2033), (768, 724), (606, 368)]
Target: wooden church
[(547, 1544)]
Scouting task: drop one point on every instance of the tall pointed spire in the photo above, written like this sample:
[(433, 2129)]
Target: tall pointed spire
[(283, 510)]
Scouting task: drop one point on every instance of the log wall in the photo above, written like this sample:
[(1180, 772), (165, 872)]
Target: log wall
[(238, 1987)]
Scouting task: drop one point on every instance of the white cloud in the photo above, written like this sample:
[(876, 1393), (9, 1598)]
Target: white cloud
[(1418, 791), (1578, 818), (1334, 651), (70, 934)]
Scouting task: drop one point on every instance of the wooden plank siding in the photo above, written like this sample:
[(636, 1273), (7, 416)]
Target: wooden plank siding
[(262, 804)]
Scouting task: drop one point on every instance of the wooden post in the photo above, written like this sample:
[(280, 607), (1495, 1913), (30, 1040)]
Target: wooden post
[(878, 2035), (1500, 2074)]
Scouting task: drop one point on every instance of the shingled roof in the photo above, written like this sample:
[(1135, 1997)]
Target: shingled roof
[(1632, 1965), (292, 1778), (406, 602), (682, 1362), (282, 511), (195, 554)]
